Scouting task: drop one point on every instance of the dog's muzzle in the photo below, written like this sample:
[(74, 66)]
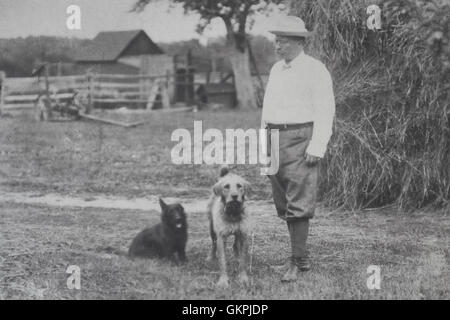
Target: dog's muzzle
[(178, 224), (233, 209)]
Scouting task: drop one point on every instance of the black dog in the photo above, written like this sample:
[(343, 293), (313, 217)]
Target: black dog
[(164, 239)]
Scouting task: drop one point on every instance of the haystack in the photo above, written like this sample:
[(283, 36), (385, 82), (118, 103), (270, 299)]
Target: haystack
[(392, 135)]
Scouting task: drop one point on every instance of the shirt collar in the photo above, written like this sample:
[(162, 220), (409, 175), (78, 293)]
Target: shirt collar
[(294, 61)]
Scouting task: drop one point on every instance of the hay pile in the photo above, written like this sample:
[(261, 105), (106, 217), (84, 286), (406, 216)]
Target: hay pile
[(391, 143)]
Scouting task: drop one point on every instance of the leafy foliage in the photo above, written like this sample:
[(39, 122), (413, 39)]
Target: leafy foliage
[(234, 13), (19, 56)]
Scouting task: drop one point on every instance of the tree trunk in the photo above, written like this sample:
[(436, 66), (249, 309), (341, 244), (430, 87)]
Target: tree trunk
[(245, 89), (240, 62), (292, 6)]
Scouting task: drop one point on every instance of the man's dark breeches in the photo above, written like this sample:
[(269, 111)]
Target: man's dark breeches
[(294, 186)]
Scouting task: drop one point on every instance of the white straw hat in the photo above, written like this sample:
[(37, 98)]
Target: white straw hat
[(290, 26)]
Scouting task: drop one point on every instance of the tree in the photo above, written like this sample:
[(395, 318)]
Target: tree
[(236, 16), (291, 5)]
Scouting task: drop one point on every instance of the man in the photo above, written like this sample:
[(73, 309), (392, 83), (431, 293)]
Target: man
[(299, 102)]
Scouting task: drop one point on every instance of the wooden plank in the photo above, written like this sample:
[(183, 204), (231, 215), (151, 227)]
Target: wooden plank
[(67, 78), (2, 90), (33, 97), (120, 100), (106, 85), (165, 96), (24, 92), (68, 84), (27, 84), (110, 121), (21, 98), (47, 83), (18, 106), (31, 91), (60, 119), (133, 94), (195, 83), (128, 77), (171, 110), (91, 90), (20, 80), (120, 96), (153, 94), (64, 95), (72, 88), (22, 86)]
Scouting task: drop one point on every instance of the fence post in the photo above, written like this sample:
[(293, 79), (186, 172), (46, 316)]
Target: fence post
[(187, 78), (89, 79), (2, 89), (59, 69), (167, 96), (147, 89), (47, 83), (165, 99)]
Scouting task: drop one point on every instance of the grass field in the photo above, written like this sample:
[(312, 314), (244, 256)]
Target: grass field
[(39, 242)]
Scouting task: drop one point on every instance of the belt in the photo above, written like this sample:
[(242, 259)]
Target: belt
[(289, 126)]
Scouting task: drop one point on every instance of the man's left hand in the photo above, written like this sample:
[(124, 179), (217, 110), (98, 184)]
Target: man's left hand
[(311, 160)]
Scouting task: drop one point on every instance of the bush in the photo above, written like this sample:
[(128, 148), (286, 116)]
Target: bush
[(391, 141)]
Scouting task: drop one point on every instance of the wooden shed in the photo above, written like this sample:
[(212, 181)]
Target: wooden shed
[(122, 52)]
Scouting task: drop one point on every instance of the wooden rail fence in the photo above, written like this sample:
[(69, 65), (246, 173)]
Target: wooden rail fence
[(136, 91)]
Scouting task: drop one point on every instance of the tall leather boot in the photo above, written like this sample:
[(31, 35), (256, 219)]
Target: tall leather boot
[(299, 261)]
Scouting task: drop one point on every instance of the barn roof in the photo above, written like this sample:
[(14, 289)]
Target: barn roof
[(109, 45)]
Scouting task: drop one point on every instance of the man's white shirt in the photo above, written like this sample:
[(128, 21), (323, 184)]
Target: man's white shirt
[(301, 92)]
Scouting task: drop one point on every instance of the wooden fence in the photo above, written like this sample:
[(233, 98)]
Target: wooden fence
[(133, 91), (22, 93), (102, 90)]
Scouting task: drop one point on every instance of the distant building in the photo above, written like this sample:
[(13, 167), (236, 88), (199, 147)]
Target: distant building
[(122, 52)]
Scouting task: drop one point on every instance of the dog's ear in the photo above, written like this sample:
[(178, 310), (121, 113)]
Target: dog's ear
[(247, 187), (182, 208), (224, 170), (217, 188), (162, 204)]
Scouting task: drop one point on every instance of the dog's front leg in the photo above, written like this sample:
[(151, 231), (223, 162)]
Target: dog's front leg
[(169, 252), (173, 258), (212, 254), (243, 258), (223, 280), (181, 251)]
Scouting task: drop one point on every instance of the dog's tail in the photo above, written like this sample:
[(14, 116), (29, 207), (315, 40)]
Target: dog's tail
[(224, 171)]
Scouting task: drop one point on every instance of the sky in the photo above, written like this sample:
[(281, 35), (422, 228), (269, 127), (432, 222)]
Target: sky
[(162, 21)]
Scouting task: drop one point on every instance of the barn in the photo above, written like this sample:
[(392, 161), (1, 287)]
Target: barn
[(122, 52)]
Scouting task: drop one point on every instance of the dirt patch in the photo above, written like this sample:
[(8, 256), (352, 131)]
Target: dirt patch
[(105, 202)]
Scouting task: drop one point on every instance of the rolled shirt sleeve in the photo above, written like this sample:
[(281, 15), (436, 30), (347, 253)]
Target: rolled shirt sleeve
[(322, 96)]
